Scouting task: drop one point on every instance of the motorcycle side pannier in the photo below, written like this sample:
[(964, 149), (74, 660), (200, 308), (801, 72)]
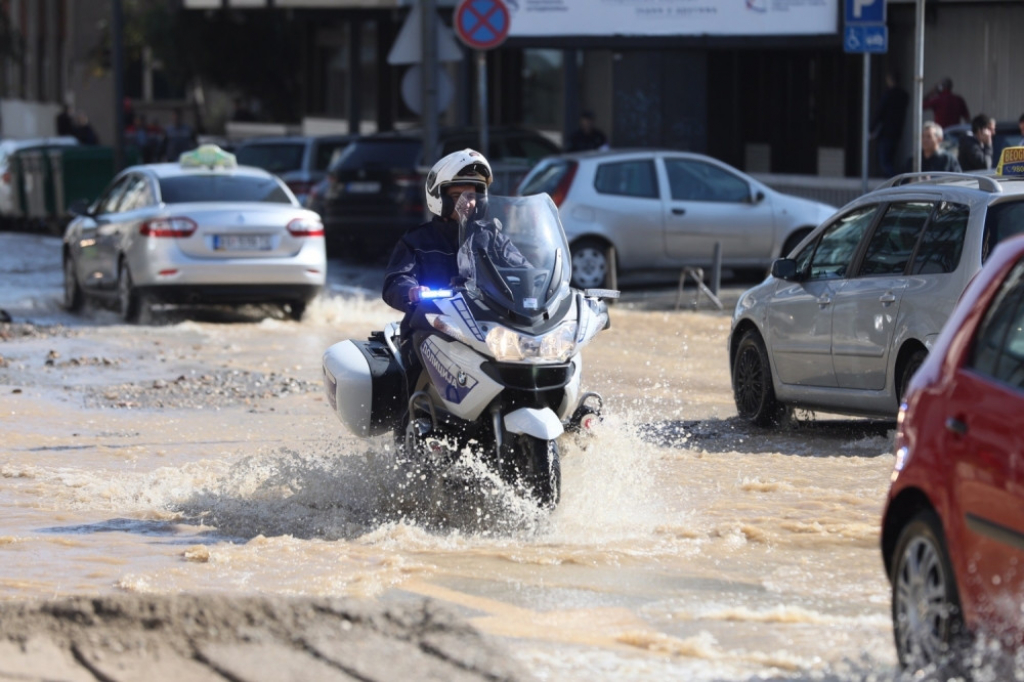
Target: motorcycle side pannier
[(363, 381)]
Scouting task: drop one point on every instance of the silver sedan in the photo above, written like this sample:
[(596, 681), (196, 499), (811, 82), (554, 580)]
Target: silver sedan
[(203, 230)]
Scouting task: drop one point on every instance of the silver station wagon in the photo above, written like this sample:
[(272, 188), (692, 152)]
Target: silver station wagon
[(843, 322)]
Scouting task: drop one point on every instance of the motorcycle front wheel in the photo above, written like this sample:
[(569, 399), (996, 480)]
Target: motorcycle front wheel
[(539, 468)]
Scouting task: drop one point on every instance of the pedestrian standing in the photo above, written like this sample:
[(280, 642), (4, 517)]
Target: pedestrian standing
[(976, 149), (947, 107), (933, 159), (178, 137), (887, 123), (587, 136), (65, 122)]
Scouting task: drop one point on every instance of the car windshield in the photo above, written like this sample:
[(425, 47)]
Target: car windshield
[(276, 158), (183, 189), (383, 153), (325, 151), (545, 178), (513, 251), (1002, 221)]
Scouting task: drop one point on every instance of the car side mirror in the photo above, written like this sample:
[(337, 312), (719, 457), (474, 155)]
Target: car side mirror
[(79, 207), (784, 268), (757, 198)]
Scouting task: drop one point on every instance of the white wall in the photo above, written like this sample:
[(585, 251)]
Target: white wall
[(20, 119)]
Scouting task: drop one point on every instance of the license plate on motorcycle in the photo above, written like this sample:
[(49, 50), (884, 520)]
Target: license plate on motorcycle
[(241, 242), (363, 187)]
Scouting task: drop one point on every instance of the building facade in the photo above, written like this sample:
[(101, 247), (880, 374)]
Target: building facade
[(742, 85)]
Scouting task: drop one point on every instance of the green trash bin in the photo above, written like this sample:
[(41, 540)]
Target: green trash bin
[(80, 173)]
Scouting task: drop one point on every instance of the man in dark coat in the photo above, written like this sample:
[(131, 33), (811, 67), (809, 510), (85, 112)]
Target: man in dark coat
[(933, 159), (976, 149), (887, 123), (587, 136)]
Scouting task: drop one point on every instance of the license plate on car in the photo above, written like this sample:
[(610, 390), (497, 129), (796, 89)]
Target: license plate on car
[(363, 187), (241, 242)]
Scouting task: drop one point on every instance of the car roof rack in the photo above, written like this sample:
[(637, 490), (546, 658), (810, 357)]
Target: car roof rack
[(985, 182)]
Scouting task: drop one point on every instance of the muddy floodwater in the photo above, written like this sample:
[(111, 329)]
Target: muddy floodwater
[(197, 453)]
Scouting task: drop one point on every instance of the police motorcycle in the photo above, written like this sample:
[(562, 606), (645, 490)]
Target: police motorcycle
[(499, 352)]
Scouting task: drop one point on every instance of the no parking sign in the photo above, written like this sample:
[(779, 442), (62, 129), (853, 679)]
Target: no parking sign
[(482, 24)]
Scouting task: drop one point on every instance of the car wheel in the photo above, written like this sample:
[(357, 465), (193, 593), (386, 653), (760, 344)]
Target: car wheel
[(128, 300), (73, 296), (909, 370), (590, 264), (752, 385), (926, 616)]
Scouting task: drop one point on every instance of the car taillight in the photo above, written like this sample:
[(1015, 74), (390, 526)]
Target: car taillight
[(7, 177), (299, 187), (306, 227), (168, 227), (558, 196)]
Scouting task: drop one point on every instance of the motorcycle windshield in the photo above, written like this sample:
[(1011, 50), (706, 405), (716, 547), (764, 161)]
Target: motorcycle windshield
[(513, 251)]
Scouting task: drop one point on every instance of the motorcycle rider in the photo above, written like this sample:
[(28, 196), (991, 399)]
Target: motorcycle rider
[(426, 257)]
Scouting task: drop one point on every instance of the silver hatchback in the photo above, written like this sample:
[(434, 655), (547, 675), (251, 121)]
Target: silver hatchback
[(637, 211), (843, 323)]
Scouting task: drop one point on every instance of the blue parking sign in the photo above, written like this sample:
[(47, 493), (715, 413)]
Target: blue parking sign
[(865, 11), (869, 38)]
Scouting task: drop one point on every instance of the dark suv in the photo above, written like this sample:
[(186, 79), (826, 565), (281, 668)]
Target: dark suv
[(374, 190), (301, 161)]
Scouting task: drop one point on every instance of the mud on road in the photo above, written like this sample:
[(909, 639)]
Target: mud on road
[(125, 638)]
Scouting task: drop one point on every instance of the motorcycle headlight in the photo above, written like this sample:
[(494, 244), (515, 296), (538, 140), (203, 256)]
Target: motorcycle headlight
[(510, 346)]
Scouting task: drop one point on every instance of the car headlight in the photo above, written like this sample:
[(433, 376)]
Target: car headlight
[(510, 346)]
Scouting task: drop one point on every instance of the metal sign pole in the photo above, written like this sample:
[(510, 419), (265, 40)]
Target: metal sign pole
[(481, 74), (430, 66), (117, 71), (918, 86), (866, 122)]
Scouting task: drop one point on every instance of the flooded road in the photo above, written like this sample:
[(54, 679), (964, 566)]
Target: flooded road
[(197, 453)]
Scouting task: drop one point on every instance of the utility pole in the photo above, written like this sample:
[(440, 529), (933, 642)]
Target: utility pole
[(117, 71), (429, 113), (918, 95)]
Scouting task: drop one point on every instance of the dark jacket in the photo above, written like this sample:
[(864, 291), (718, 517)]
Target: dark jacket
[(892, 110), (939, 162), (581, 141), (424, 256), (973, 155)]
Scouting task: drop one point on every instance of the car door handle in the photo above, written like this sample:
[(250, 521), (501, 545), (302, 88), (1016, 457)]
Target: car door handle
[(957, 426), (824, 300), (887, 297), (678, 211)]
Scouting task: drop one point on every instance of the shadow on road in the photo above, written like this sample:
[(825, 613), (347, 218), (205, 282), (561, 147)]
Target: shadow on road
[(849, 437)]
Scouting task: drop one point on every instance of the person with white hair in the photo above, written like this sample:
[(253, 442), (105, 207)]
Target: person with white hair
[(933, 159)]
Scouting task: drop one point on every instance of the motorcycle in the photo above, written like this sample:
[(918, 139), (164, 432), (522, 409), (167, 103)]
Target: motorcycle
[(497, 353)]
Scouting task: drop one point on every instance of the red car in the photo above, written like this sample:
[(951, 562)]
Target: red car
[(953, 527)]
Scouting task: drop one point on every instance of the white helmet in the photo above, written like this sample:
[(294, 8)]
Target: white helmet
[(466, 167)]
